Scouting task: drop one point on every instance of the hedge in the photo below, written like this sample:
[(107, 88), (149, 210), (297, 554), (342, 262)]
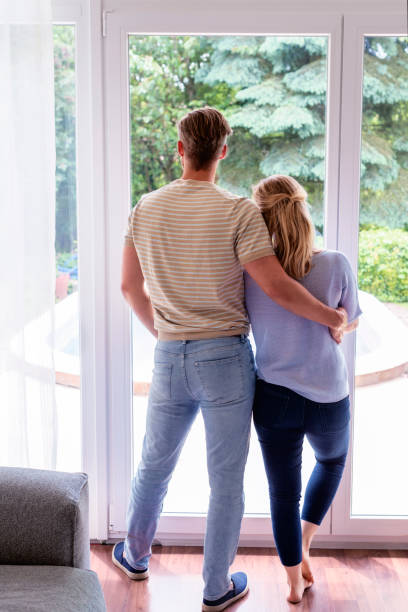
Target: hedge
[(383, 263)]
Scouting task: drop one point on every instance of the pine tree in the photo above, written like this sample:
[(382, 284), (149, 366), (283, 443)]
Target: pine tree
[(279, 117), (279, 110), (273, 91), (384, 151), (163, 87)]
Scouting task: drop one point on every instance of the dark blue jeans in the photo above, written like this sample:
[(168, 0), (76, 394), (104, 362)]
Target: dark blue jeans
[(282, 418)]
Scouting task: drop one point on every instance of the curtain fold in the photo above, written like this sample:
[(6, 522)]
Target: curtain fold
[(28, 426)]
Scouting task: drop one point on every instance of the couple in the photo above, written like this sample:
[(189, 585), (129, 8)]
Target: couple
[(212, 262)]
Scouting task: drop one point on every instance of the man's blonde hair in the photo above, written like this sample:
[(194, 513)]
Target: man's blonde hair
[(203, 133), (282, 201)]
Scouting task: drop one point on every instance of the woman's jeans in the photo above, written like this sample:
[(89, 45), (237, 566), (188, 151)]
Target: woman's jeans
[(215, 376), (282, 419)]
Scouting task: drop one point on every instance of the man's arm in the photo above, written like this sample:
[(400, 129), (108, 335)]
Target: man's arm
[(133, 288), (290, 294)]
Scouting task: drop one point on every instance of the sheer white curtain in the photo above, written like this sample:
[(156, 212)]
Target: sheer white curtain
[(28, 425)]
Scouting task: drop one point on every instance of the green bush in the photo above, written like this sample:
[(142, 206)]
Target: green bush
[(383, 263)]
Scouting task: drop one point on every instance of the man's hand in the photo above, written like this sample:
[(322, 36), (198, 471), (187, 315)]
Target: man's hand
[(337, 333)]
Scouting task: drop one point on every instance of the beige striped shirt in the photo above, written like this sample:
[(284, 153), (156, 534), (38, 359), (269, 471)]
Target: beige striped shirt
[(192, 238)]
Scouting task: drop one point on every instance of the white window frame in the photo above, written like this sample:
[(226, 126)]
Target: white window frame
[(175, 20), (356, 28), (85, 16)]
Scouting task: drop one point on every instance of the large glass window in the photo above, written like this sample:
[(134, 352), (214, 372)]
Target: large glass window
[(381, 416), (66, 244), (273, 92)]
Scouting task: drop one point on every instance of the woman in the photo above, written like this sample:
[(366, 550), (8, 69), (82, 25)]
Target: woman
[(302, 386)]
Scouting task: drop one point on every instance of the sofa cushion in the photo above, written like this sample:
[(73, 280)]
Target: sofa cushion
[(43, 518), (37, 588)]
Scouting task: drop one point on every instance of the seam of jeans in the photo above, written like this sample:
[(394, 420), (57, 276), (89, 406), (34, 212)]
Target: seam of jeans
[(166, 396), (215, 346), (229, 359), (187, 387), (243, 494)]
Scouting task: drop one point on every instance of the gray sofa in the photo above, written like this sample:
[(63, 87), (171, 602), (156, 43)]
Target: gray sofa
[(44, 543)]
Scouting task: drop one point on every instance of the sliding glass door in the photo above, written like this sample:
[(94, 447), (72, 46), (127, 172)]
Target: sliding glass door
[(373, 498), (273, 90), (80, 358), (306, 98), (381, 416), (67, 354), (277, 90)]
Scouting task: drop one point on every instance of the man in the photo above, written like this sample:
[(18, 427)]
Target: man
[(189, 241)]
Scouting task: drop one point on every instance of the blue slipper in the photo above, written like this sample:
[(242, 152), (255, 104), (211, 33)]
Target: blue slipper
[(240, 589), (121, 563)]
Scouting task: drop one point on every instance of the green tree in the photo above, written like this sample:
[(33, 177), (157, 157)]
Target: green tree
[(383, 263), (273, 90), (384, 153), (279, 117), (279, 109), (163, 87), (64, 78)]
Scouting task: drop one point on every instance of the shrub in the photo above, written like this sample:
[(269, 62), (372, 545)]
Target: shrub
[(383, 263)]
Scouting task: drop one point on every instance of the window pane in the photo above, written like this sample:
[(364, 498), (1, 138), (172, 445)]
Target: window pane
[(381, 416), (66, 245), (273, 92)]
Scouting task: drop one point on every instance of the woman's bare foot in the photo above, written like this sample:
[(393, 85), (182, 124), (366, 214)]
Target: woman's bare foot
[(297, 590), (306, 567), (297, 584)]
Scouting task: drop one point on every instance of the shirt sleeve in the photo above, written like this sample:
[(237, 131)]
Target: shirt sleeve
[(129, 236), (252, 239), (129, 231), (349, 294)]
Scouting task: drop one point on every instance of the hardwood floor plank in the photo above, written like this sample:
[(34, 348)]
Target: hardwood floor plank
[(399, 559), (345, 581)]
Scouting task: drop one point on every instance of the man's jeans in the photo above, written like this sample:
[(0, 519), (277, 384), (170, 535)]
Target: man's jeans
[(217, 376)]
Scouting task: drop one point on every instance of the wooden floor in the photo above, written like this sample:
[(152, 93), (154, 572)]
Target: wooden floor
[(346, 581)]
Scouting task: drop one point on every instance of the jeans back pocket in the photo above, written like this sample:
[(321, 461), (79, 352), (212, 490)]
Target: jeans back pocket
[(335, 416), (221, 379), (161, 382), (270, 404)]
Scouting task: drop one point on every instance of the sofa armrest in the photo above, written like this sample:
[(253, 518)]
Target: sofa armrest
[(43, 518)]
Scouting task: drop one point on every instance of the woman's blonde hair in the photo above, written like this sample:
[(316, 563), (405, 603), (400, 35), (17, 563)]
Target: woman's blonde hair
[(282, 202)]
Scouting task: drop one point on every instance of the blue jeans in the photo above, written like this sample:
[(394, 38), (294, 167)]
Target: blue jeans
[(217, 376), (282, 418)]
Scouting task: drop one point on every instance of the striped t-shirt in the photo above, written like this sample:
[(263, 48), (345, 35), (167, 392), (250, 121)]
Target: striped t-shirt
[(192, 238)]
